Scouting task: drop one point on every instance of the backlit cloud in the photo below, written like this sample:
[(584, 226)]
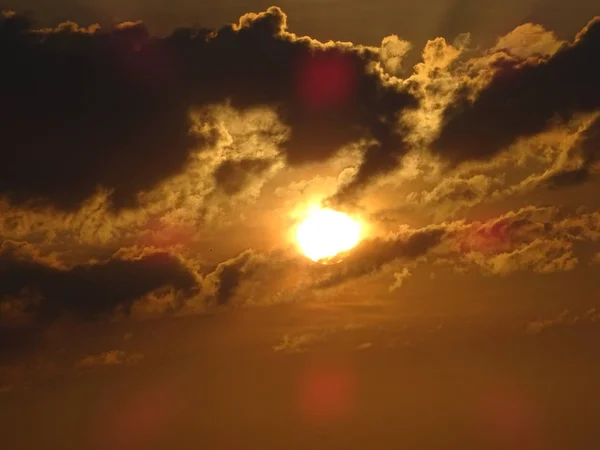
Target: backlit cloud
[(121, 100), (144, 176), (523, 98)]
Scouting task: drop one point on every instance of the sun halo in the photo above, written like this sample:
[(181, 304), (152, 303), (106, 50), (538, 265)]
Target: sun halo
[(326, 233)]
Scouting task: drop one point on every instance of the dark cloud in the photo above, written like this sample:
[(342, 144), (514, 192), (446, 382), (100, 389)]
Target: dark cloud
[(91, 290), (233, 176), (229, 276), (568, 178), (523, 99), (223, 282), (539, 239), (371, 255), (379, 158), (590, 143), (86, 108)]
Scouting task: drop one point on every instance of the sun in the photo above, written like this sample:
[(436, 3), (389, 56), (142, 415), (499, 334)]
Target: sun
[(326, 233)]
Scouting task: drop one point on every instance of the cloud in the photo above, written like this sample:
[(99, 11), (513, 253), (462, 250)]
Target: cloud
[(92, 290), (537, 239), (221, 285), (91, 108), (393, 50), (454, 194), (564, 319), (296, 344), (89, 117), (242, 122), (541, 256), (372, 254), (509, 230), (400, 278), (523, 98), (243, 155), (364, 346), (124, 117), (243, 146), (434, 82), (586, 152), (27, 252), (127, 157), (144, 281), (159, 302), (109, 358), (567, 154), (233, 176), (299, 343), (540, 239), (528, 41)]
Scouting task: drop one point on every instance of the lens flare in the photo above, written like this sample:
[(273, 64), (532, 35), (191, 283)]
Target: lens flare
[(326, 233)]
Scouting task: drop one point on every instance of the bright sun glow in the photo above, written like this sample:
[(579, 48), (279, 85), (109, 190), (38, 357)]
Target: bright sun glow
[(326, 233)]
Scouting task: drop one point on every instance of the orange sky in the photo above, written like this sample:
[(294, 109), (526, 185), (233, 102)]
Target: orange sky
[(152, 293)]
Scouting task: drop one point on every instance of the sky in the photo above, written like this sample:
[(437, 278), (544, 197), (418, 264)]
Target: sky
[(156, 160)]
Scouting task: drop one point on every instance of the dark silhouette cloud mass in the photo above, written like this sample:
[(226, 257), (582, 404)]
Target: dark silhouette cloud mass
[(87, 291), (371, 255), (88, 108), (522, 99)]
